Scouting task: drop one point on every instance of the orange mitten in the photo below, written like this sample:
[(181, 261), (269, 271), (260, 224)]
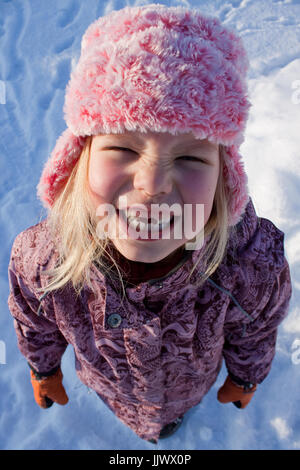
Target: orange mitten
[(49, 389), (230, 392)]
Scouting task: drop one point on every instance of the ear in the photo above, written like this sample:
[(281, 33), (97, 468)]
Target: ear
[(235, 182), (59, 166)]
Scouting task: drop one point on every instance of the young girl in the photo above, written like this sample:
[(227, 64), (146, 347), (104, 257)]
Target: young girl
[(156, 109)]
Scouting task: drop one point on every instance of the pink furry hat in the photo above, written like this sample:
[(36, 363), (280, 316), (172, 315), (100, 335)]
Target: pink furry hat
[(157, 68)]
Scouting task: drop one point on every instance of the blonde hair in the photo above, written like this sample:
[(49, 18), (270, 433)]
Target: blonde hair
[(73, 226)]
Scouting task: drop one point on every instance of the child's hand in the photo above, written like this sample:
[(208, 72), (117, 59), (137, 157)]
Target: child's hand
[(230, 392), (49, 389)]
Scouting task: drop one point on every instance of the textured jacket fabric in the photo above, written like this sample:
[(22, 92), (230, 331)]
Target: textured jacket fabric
[(154, 355)]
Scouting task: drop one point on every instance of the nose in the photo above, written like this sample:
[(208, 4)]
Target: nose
[(153, 179)]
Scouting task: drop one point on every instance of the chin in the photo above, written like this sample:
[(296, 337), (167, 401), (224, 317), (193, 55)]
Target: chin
[(144, 254)]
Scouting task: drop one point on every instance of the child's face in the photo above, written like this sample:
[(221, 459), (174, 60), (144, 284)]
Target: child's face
[(152, 168)]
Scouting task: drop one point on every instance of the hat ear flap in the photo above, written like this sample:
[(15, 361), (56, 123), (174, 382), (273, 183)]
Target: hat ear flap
[(59, 166), (236, 183)]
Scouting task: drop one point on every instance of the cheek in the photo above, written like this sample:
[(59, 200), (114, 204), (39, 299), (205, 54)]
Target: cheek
[(200, 189), (103, 180)]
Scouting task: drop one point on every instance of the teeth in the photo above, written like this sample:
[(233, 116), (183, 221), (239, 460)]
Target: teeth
[(144, 225), (164, 219)]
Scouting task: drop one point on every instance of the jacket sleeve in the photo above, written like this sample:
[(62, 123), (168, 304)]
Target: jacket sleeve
[(39, 338), (264, 294)]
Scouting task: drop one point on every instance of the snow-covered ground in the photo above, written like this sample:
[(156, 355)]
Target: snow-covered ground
[(39, 43)]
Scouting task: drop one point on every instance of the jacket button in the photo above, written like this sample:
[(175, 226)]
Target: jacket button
[(114, 320)]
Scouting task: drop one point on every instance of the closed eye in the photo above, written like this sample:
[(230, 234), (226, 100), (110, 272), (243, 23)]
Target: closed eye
[(123, 149), (186, 157), (192, 158)]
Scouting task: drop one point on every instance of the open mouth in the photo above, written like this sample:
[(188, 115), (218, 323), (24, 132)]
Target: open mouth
[(145, 226)]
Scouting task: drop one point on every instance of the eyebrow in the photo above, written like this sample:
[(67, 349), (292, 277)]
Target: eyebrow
[(191, 145), (128, 140)]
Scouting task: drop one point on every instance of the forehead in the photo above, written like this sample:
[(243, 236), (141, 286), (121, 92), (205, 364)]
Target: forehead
[(165, 139)]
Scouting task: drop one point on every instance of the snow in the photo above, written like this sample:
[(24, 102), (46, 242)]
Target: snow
[(39, 46)]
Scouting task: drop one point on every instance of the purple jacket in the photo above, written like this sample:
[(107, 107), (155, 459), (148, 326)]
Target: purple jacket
[(154, 356)]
